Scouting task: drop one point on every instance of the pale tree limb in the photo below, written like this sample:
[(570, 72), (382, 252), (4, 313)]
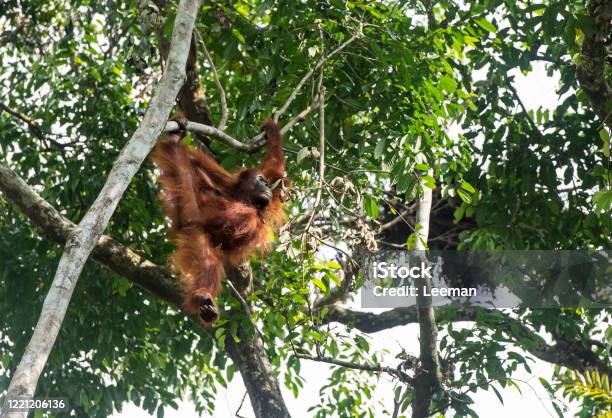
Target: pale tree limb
[(259, 140), (90, 229), (299, 118), (374, 368), (428, 375), (191, 98), (33, 127), (254, 143)]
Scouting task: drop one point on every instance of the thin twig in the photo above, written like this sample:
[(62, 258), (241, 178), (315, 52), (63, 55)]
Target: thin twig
[(357, 366), (240, 406), (309, 74), (532, 123), (222, 98), (333, 247), (238, 296), (35, 129), (317, 201)]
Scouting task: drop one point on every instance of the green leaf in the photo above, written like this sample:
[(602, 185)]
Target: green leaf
[(231, 370), (303, 153), (448, 84), (318, 283), (486, 25), (468, 187), (411, 241), (497, 394), (411, 192), (547, 386), (464, 196), (370, 205), (362, 343), (605, 137), (421, 166), (459, 212), (428, 181), (380, 148), (403, 183), (603, 201)]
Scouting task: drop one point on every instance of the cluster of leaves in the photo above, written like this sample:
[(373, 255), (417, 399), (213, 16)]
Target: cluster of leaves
[(592, 388), (83, 72)]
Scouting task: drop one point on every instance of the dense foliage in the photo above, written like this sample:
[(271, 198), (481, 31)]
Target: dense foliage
[(417, 80)]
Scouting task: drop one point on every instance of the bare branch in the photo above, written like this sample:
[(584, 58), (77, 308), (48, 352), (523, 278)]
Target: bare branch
[(397, 373), (259, 140), (254, 144), (213, 133), (317, 201), (534, 127), (84, 238), (33, 126)]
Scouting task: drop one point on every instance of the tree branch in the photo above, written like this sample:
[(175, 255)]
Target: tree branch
[(532, 124), (259, 140), (108, 252), (34, 128), (253, 144), (32, 125), (249, 351), (191, 98), (213, 133), (84, 238), (249, 354), (397, 373), (317, 201), (309, 74), (572, 354)]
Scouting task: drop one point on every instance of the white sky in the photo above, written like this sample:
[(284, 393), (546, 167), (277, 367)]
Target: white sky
[(536, 90)]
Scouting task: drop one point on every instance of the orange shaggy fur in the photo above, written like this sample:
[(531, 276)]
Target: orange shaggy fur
[(210, 224)]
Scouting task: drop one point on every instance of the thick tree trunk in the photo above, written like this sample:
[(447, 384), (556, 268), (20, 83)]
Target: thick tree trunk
[(591, 69), (250, 357)]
